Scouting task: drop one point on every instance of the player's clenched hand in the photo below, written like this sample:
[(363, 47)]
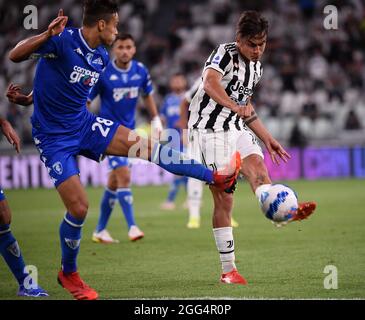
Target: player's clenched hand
[(57, 25), (15, 96), (10, 134), (246, 111), (276, 150)]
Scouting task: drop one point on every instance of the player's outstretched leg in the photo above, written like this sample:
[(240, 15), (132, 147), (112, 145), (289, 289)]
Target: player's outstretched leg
[(179, 164), (10, 251), (75, 200), (128, 143), (254, 170)]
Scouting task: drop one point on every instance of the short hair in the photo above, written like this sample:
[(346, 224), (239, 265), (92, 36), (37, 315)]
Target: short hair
[(178, 74), (124, 36), (251, 24), (95, 10)]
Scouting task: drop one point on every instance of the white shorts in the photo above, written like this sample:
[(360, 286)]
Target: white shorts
[(215, 149)]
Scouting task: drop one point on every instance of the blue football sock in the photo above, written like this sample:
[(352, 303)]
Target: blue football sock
[(174, 188), (106, 208), (70, 236), (177, 163), (125, 198), (10, 251)]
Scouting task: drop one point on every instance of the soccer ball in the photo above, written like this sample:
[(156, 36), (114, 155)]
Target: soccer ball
[(279, 203)]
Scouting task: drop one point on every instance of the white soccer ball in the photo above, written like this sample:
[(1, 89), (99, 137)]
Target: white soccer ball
[(279, 203)]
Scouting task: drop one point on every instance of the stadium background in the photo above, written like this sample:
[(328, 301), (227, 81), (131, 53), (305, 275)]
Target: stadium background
[(311, 98), (311, 94)]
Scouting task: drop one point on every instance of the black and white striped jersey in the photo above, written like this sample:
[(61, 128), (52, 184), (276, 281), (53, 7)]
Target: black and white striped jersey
[(240, 76)]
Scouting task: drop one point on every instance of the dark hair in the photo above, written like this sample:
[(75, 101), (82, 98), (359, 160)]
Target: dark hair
[(177, 74), (251, 24), (95, 10), (124, 36)]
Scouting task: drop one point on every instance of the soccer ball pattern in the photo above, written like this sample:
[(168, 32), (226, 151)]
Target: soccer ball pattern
[(279, 203)]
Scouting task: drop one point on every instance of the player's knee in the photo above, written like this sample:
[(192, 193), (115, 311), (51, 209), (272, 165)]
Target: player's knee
[(254, 166), (79, 208), (124, 182), (123, 177), (223, 201), (113, 185), (227, 203)]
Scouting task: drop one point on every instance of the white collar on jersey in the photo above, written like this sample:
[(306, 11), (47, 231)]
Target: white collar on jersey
[(84, 41), (122, 70)]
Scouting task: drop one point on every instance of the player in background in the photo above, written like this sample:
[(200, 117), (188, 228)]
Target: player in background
[(170, 113), (119, 87), (71, 61), (220, 115), (9, 247), (194, 186)]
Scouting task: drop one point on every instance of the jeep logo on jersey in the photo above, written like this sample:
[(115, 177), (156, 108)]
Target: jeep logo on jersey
[(240, 89), (86, 77), (125, 93)]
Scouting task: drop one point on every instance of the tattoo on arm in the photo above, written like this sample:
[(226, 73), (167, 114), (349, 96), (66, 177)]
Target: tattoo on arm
[(252, 118)]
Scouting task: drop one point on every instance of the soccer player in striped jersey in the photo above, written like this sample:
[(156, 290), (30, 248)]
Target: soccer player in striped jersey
[(194, 187), (9, 248), (220, 114)]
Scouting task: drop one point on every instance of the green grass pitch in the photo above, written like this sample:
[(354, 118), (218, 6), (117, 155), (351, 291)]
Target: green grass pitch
[(175, 262)]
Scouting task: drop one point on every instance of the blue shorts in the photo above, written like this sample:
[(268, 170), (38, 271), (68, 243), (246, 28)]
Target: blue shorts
[(59, 151), (117, 162), (2, 194)]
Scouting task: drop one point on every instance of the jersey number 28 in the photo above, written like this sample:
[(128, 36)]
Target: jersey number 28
[(99, 123)]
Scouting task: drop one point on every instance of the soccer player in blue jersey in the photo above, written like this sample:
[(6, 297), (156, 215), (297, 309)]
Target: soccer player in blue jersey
[(71, 61), (119, 87), (170, 112), (9, 248)]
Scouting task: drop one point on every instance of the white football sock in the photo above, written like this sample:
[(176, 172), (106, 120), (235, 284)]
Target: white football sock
[(225, 245), (259, 190), (195, 193)]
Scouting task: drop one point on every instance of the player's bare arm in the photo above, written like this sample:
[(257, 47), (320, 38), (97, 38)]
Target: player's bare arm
[(15, 95), (151, 105), (25, 48), (10, 134), (213, 88), (272, 145), (183, 121)]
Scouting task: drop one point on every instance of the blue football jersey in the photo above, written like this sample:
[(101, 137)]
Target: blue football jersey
[(66, 72), (119, 91), (171, 109)]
